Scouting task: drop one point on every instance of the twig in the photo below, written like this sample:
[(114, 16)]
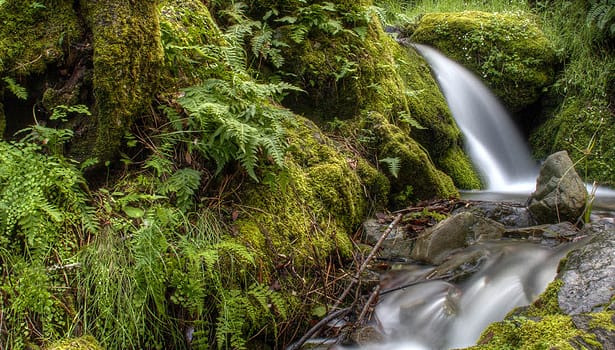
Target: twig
[(370, 301), (355, 279), (316, 328), (367, 260)]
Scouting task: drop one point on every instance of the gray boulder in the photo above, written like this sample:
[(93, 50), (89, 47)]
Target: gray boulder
[(589, 276), (456, 232), (560, 192)]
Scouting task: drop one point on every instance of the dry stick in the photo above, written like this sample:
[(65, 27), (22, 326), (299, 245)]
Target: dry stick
[(316, 328), (370, 301), (338, 313), (367, 260)]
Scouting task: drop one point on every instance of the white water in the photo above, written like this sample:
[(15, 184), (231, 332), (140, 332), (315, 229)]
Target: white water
[(433, 315), (492, 140)]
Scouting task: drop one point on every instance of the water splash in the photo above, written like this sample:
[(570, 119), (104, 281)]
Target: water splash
[(441, 315), (492, 140)]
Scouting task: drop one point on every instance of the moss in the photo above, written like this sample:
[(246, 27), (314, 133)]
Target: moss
[(310, 217), (418, 178), (507, 50), (586, 129), (34, 34), (550, 332), (186, 27), (127, 61), (543, 325), (82, 343), (347, 78), (547, 303), (2, 120), (458, 166)]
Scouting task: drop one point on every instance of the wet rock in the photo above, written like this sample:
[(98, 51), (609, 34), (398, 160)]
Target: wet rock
[(589, 276), (396, 247), (604, 333), (560, 192), (510, 214), (563, 231), (454, 233)]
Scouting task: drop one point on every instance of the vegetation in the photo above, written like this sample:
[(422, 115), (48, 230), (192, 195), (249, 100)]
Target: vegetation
[(186, 176)]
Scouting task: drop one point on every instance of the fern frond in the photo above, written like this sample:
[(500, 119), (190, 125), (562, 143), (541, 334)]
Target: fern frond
[(17, 90), (394, 165)]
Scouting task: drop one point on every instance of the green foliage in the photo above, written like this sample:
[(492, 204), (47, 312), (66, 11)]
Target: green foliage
[(53, 139), (15, 88), (183, 184), (44, 216), (602, 15), (160, 270), (232, 121), (393, 163)]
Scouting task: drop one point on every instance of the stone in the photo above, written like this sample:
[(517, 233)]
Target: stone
[(560, 192), (589, 276), (456, 232), (396, 247), (510, 214)]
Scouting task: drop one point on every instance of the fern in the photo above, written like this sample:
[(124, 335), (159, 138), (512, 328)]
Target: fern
[(17, 90), (183, 184), (235, 121), (393, 164), (44, 214), (602, 15)]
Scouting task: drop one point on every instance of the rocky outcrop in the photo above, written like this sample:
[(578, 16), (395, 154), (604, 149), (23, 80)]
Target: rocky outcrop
[(560, 193)]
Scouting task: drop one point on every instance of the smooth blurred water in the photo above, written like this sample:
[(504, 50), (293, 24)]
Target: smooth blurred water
[(492, 140), (441, 315)]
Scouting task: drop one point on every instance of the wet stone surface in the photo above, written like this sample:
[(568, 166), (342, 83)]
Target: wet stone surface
[(589, 275)]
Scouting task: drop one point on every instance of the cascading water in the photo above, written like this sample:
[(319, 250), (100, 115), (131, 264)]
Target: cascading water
[(434, 314), (492, 140)]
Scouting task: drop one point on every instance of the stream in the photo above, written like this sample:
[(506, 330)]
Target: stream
[(438, 314)]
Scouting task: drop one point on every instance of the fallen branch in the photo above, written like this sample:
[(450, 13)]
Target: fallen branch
[(335, 314), (368, 304), (371, 255)]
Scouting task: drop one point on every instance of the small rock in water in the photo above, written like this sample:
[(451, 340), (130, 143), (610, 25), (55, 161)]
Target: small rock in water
[(560, 192)]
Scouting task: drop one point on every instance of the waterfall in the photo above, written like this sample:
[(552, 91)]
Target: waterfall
[(492, 140)]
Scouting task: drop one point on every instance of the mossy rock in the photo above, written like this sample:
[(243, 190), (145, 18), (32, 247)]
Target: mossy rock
[(586, 129), (359, 71), (507, 50), (34, 34), (418, 177), (543, 325), (186, 25), (309, 211), (82, 343)]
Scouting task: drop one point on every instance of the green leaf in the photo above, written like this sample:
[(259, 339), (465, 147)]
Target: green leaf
[(133, 212)]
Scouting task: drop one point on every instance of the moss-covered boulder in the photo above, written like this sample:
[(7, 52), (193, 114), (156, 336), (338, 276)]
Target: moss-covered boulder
[(350, 69), (586, 129), (507, 50), (310, 209), (46, 47), (33, 36)]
